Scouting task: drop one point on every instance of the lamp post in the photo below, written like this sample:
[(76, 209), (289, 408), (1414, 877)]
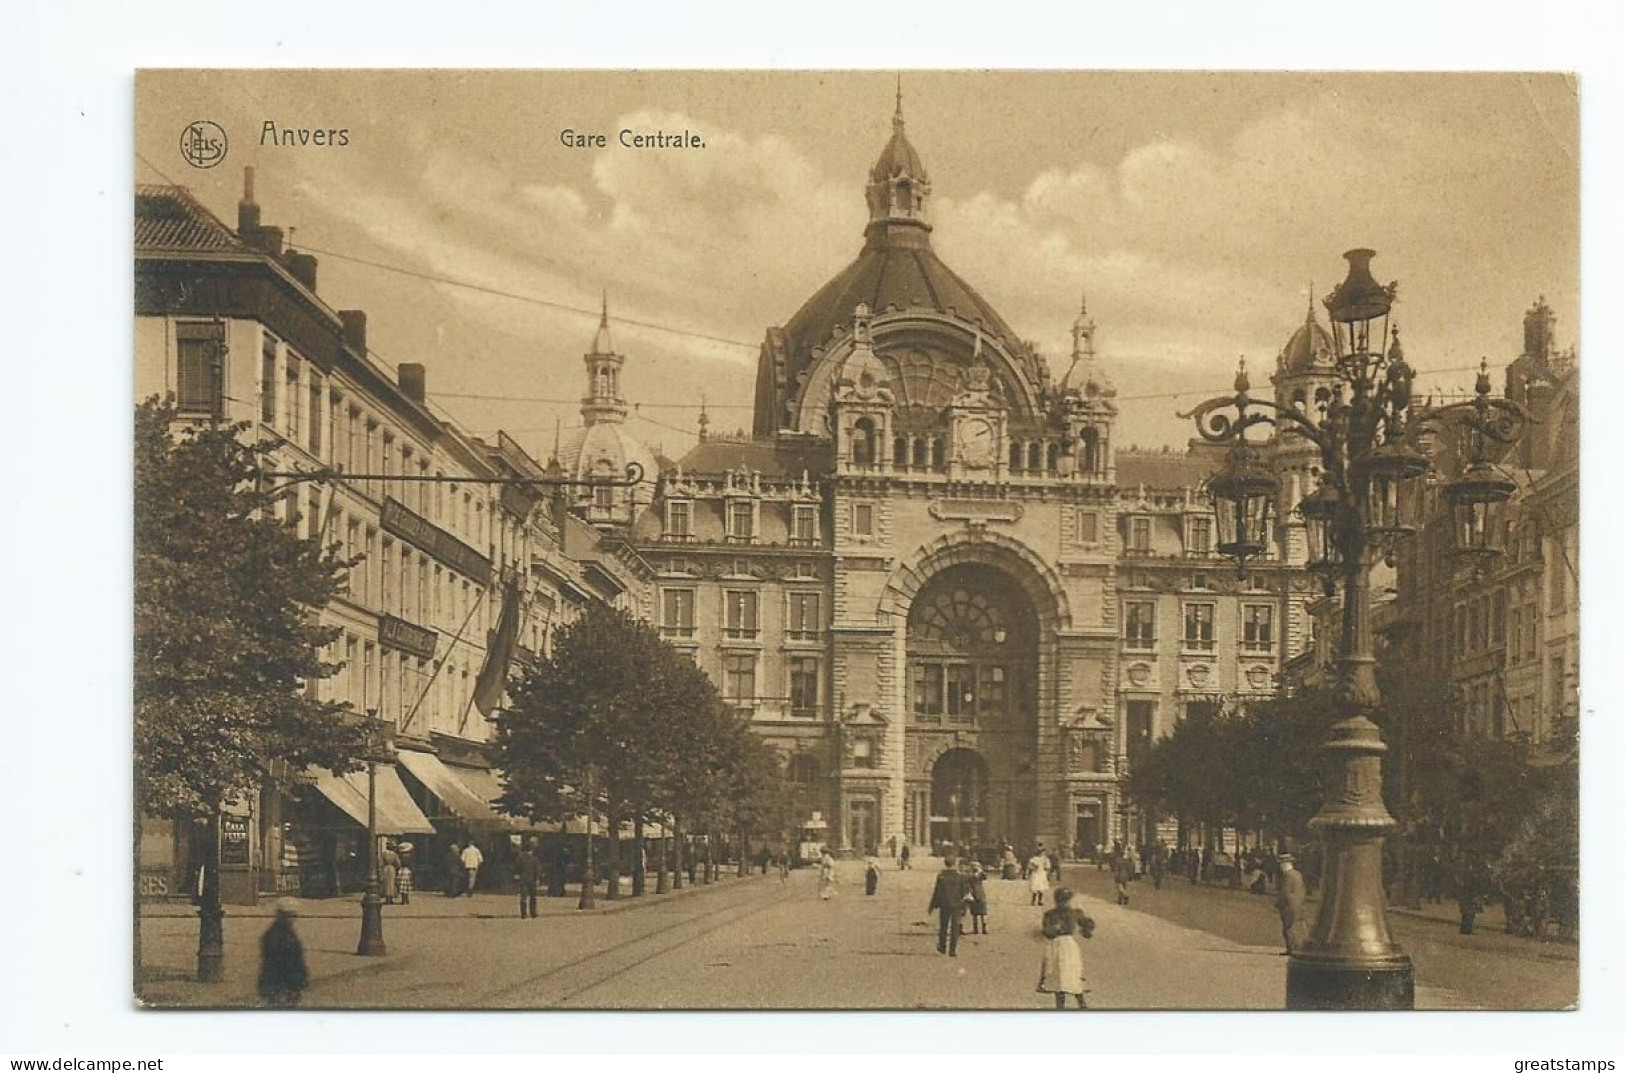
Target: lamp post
[(1367, 500), (589, 873), (372, 902)]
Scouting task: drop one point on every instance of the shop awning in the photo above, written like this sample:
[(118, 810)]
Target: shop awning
[(452, 791), (397, 813)]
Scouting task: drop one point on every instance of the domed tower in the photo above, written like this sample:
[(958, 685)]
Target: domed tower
[(898, 184), (1090, 402), (1305, 374), (928, 327), (601, 449)]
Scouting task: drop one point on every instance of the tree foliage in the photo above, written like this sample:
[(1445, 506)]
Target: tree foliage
[(226, 630), (618, 710)]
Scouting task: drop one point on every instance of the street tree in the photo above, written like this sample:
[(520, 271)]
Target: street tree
[(227, 641), (615, 719)]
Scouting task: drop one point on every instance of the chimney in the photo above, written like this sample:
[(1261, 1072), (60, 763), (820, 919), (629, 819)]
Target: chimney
[(412, 380), (301, 265), (248, 212), (355, 330)]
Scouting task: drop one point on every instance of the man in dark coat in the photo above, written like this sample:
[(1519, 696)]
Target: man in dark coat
[(454, 870), (1291, 891), (948, 899), (283, 975), (529, 868)]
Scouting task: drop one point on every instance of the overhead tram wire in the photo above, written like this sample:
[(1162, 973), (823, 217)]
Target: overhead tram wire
[(547, 303)]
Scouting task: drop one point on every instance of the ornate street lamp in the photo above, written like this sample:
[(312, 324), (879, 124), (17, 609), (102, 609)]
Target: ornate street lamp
[(372, 902), (1318, 510), (1367, 500), (1476, 496), (1244, 490)]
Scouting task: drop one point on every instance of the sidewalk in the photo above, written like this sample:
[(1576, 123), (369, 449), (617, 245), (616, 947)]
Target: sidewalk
[(430, 905)]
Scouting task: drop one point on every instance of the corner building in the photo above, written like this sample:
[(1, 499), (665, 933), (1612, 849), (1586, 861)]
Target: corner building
[(931, 577)]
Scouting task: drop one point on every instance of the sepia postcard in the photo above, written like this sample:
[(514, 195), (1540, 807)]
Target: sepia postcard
[(856, 540)]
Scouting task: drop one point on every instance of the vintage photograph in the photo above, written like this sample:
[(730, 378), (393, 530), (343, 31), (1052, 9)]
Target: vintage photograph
[(856, 540)]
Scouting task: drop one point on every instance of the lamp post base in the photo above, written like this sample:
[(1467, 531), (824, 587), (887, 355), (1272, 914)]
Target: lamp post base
[(372, 926), (1325, 983), (211, 944)]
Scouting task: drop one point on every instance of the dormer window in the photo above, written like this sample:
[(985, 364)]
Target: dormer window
[(679, 519), (1200, 536), (803, 524), (742, 520)]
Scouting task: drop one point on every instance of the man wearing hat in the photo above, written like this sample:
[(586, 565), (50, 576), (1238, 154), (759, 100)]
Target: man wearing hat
[(948, 899), (1290, 892)]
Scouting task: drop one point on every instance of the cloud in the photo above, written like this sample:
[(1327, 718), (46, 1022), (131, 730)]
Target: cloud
[(1191, 251)]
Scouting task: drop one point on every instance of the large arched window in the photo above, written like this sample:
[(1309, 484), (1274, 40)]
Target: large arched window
[(972, 642)]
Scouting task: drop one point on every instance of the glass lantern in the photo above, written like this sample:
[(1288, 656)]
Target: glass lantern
[(1319, 510), (1388, 477), (1476, 499), (1243, 494)]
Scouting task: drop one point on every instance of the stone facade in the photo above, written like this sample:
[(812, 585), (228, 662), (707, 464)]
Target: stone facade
[(933, 580)]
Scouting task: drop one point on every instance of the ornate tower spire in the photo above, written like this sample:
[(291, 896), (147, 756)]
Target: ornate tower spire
[(705, 419), (1085, 374), (898, 187), (603, 403)]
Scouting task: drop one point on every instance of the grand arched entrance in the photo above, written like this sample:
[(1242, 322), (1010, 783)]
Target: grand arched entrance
[(972, 649)]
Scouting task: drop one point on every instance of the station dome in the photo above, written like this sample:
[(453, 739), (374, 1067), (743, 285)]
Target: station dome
[(896, 270), (1308, 348)]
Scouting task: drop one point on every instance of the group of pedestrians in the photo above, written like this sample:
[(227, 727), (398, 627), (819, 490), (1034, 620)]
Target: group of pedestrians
[(463, 869), (961, 888)]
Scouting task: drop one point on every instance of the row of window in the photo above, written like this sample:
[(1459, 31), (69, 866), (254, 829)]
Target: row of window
[(741, 521), (309, 411), (414, 693), (1197, 536), (959, 691), (741, 614), (1140, 626), (804, 678)]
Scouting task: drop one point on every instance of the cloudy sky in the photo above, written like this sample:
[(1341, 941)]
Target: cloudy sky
[(1195, 210)]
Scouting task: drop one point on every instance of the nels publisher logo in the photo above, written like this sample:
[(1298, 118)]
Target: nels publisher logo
[(203, 144)]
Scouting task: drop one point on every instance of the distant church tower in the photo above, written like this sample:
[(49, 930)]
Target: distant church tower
[(1090, 401), (1305, 376), (603, 402), (600, 450)]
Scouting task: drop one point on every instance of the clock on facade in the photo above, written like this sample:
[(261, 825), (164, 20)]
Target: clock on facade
[(974, 445)]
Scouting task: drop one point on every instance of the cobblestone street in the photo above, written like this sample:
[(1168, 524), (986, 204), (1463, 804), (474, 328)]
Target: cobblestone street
[(758, 943)]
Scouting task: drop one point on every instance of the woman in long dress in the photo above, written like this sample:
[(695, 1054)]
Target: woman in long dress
[(1062, 971), (826, 875), (1038, 878)]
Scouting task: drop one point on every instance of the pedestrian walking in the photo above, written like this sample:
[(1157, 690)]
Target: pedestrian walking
[(826, 875), (472, 859), (528, 870), (1055, 866), (1061, 973), (283, 973), (558, 872), (978, 900), (403, 877), (871, 877), (1037, 878), (784, 863), (1291, 891), (948, 902), (1123, 872), (389, 870), (902, 858), (454, 870)]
